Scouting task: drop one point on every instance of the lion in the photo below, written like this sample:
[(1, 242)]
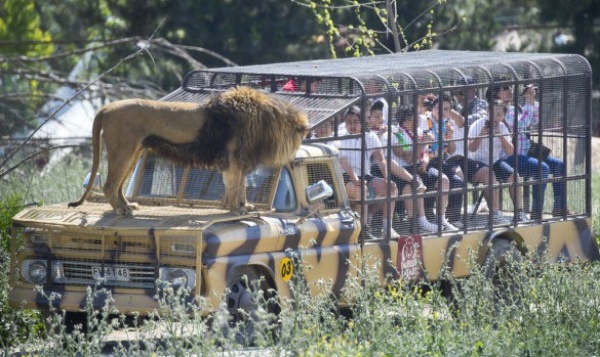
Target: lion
[(233, 132)]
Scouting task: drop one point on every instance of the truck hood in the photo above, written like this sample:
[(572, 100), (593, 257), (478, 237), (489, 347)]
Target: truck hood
[(101, 216)]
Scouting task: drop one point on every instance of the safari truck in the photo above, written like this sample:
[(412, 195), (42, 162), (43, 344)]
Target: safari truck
[(182, 237)]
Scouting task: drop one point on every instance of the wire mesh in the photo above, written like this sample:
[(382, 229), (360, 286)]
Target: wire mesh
[(326, 89)]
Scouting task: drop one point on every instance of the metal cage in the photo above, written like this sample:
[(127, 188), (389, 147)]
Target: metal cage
[(325, 89)]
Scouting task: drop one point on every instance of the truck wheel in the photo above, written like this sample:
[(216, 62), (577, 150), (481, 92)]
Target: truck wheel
[(247, 306), (70, 321), (503, 267)]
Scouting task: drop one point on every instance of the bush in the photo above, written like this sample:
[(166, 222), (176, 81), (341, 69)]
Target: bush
[(556, 314), (8, 208), (18, 325)]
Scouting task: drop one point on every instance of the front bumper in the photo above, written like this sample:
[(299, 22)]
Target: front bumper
[(125, 301)]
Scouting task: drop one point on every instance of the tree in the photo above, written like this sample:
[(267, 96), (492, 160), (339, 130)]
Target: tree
[(102, 33), (581, 17), (356, 28), (21, 36)]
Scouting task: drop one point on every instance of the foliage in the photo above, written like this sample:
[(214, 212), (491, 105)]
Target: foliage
[(16, 325), (9, 206), (596, 206), (57, 182), (579, 19), (556, 314), (95, 37), (22, 35), (20, 23), (220, 33), (247, 31), (356, 28)]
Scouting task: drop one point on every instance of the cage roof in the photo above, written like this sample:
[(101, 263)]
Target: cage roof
[(412, 64), (342, 82)]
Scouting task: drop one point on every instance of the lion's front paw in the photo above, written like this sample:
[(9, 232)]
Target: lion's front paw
[(124, 211), (134, 206), (238, 211), (242, 209)]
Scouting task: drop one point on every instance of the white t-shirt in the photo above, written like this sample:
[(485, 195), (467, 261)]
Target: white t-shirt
[(482, 153), (458, 137), (403, 138), (350, 148), (384, 137)]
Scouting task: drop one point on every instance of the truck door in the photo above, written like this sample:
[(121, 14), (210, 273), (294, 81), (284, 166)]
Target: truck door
[(327, 240)]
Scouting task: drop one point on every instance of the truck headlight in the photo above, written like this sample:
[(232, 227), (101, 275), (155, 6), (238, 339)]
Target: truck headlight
[(179, 277), (35, 271)]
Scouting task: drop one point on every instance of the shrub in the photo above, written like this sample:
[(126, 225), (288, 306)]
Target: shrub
[(8, 208)]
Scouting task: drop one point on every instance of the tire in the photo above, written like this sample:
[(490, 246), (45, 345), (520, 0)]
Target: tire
[(504, 269), (247, 306), (73, 320)]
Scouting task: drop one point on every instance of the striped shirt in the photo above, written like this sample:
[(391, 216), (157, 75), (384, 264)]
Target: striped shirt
[(477, 109), (530, 115)]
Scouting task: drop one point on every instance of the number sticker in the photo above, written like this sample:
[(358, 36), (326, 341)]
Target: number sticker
[(286, 269)]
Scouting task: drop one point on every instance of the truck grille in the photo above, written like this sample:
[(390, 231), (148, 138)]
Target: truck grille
[(121, 259), (82, 273)]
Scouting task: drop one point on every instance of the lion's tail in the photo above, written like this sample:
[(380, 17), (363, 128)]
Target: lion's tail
[(97, 148)]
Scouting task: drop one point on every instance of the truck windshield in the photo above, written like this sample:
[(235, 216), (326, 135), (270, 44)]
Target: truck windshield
[(163, 179)]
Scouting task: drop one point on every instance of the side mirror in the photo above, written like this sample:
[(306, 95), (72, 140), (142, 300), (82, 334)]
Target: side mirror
[(97, 181), (318, 191)]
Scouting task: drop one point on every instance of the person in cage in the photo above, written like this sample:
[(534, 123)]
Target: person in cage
[(377, 126), (556, 166), (468, 104), (501, 148), (460, 167), (434, 177), (382, 105), (369, 185), (404, 141), (324, 130), (526, 166), (424, 106), (299, 85), (451, 121)]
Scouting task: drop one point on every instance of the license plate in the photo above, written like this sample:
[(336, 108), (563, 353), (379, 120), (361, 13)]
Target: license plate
[(111, 273)]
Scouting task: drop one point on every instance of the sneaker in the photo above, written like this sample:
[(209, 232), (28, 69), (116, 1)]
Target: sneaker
[(499, 219), (394, 234), (370, 236), (447, 226), (522, 217), (418, 184), (457, 224), (427, 227)]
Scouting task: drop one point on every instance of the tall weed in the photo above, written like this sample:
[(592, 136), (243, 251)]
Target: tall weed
[(556, 312)]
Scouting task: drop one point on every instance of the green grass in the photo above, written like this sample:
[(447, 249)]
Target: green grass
[(57, 183), (596, 204), (556, 312)]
